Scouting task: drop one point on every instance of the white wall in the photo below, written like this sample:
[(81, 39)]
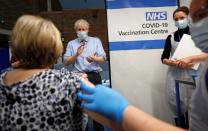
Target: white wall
[(142, 80)]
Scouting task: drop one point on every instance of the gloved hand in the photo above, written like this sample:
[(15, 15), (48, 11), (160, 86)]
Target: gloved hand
[(104, 101)]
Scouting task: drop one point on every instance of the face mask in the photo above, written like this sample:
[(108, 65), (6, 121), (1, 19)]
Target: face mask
[(199, 34), (82, 35), (181, 24)]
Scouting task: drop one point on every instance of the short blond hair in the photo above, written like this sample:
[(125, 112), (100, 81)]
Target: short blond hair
[(36, 42), (81, 23)]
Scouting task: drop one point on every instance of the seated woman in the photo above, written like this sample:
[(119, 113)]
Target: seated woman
[(33, 96)]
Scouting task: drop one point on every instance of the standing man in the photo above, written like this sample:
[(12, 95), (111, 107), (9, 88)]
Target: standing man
[(85, 52)]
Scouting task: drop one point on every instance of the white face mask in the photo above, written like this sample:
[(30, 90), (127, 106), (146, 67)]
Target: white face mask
[(199, 34), (82, 35), (181, 24)]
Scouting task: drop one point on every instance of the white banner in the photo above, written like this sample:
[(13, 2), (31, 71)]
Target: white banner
[(134, 24), (137, 30)]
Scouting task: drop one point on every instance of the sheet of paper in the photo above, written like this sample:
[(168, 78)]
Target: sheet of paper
[(186, 48)]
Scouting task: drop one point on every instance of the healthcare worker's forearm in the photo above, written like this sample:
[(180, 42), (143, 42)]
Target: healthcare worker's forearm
[(198, 58), (169, 62), (137, 120), (99, 118), (104, 121)]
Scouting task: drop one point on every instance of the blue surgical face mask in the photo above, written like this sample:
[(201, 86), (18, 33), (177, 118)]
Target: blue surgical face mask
[(182, 24), (199, 34), (82, 35)]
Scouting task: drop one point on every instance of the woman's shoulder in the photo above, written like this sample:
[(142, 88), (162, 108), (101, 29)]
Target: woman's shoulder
[(49, 77), (63, 77), (64, 73)]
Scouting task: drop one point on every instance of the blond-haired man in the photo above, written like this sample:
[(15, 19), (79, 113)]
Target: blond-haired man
[(85, 52)]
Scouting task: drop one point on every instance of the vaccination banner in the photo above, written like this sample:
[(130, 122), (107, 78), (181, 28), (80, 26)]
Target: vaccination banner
[(137, 30), (139, 24)]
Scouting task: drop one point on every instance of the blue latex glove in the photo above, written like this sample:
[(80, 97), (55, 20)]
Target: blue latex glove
[(104, 101)]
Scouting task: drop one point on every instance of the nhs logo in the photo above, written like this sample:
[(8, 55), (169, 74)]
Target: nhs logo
[(153, 16)]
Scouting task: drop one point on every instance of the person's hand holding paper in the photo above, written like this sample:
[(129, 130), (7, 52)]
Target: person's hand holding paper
[(184, 52), (185, 63)]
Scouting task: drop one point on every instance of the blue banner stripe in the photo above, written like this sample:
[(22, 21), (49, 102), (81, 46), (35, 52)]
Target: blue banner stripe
[(135, 45), (116, 4)]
